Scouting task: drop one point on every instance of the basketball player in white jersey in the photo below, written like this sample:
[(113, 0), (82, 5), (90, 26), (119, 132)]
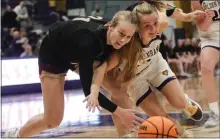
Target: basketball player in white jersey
[(209, 30)]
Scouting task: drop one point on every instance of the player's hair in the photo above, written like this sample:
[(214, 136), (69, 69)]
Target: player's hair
[(146, 6), (130, 54), (124, 16), (131, 49)]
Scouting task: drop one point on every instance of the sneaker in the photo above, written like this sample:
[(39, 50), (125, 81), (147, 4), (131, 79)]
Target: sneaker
[(187, 134), (193, 109), (213, 120), (13, 133)]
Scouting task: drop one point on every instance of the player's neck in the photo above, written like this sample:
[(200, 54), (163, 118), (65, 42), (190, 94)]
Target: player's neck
[(146, 41)]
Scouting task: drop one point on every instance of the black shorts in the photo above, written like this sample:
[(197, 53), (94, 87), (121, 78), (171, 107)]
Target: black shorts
[(51, 63)]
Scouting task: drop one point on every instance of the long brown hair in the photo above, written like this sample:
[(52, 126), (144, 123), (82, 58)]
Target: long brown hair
[(130, 54)]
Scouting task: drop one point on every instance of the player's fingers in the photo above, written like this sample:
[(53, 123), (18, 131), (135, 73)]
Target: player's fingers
[(135, 112), (140, 120), (136, 123), (89, 108), (93, 108), (85, 99), (99, 108)]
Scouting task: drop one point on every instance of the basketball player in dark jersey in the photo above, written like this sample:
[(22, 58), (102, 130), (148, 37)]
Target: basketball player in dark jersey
[(82, 43)]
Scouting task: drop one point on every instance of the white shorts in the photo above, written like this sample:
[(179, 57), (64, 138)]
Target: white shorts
[(210, 43), (155, 76)]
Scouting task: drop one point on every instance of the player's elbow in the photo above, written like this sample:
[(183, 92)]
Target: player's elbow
[(163, 24)]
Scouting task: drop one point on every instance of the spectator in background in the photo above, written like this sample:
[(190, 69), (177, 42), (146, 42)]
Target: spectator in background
[(59, 16), (6, 42), (9, 19), (23, 40), (27, 51), (172, 59), (97, 11), (179, 51), (196, 52), (37, 49), (16, 46), (189, 57), (22, 14)]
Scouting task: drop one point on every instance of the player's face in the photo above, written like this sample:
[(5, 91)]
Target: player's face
[(148, 26), (121, 34)]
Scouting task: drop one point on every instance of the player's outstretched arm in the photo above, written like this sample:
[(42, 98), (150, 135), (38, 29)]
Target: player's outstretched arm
[(203, 21)]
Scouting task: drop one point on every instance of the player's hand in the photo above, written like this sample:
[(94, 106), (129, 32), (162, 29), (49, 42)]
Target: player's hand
[(195, 14), (210, 13), (128, 118), (92, 102)]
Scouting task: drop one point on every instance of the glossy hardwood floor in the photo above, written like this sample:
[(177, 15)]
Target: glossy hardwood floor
[(78, 122)]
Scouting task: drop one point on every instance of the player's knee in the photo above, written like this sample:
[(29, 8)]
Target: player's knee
[(53, 122), (206, 68), (207, 65)]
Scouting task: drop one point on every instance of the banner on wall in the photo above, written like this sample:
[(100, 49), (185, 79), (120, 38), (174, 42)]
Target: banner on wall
[(24, 71)]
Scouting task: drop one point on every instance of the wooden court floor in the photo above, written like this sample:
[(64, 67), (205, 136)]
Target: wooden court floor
[(78, 122)]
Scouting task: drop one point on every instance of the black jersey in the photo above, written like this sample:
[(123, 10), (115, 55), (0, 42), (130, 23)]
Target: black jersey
[(67, 41), (80, 42)]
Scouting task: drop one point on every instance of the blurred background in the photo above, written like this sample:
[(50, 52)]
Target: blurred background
[(25, 23)]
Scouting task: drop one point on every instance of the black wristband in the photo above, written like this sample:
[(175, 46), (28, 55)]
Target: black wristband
[(170, 10), (106, 103)]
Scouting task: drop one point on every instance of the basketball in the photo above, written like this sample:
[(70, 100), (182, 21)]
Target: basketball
[(157, 127)]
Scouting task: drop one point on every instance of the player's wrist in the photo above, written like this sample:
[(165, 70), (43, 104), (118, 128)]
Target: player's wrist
[(95, 89), (188, 17), (118, 111)]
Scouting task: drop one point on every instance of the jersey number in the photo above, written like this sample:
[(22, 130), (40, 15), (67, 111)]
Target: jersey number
[(217, 15), (87, 19)]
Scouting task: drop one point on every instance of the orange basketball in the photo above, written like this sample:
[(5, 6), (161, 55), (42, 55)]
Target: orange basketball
[(157, 127)]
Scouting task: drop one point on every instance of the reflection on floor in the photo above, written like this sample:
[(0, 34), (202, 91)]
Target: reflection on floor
[(78, 122)]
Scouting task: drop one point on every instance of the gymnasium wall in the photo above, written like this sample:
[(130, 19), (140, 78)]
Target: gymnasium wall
[(21, 76)]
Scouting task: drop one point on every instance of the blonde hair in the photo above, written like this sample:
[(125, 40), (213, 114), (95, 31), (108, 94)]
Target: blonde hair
[(124, 16), (148, 6), (130, 54)]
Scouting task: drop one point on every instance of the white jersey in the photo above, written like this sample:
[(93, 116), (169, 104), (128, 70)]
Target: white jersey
[(151, 55), (214, 29)]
